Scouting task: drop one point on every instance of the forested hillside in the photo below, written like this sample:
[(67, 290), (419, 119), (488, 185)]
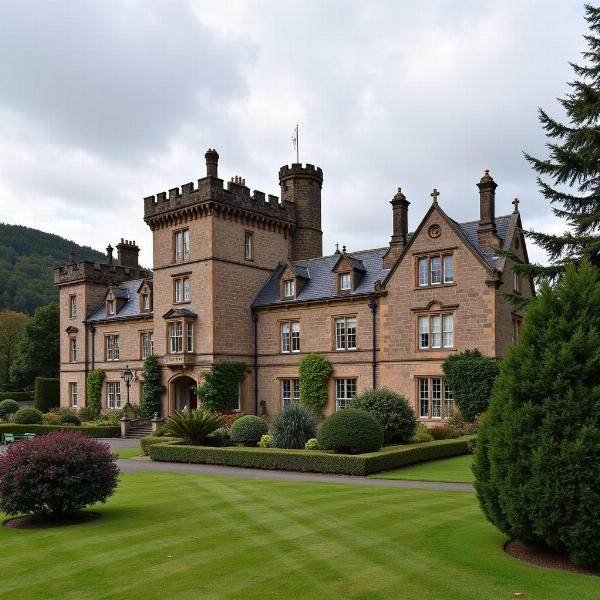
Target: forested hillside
[(27, 259)]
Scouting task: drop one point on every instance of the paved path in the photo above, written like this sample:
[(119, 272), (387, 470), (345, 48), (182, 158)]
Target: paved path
[(142, 465)]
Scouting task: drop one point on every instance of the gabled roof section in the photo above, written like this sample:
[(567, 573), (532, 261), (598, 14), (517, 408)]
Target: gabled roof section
[(322, 282), (297, 269), (355, 263), (128, 292), (180, 313), (502, 229), (144, 283)]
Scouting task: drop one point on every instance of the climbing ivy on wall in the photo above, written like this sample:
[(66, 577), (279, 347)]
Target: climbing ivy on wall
[(94, 391), (153, 388), (315, 371), (219, 391)]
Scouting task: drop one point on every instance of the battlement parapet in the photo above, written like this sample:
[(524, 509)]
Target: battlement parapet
[(297, 170), (102, 273)]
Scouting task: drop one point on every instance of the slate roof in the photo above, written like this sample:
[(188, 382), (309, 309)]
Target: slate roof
[(128, 291), (322, 285)]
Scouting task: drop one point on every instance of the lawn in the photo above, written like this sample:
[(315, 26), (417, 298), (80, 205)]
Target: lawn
[(129, 452), (184, 537), (455, 469)]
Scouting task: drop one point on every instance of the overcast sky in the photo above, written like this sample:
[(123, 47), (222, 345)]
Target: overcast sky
[(105, 102)]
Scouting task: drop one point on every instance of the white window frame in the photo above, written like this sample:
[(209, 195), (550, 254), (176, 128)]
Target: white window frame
[(238, 399), (182, 245), (345, 333), (290, 336), (435, 331), (345, 282), (112, 349), (73, 394), (435, 269), (147, 343), (289, 288), (345, 390), (423, 270), (248, 245), (435, 274), (189, 336), (448, 268), (187, 289), (72, 350), (175, 337), (434, 400), (113, 395), (516, 282), (111, 308), (73, 306), (145, 302), (290, 391)]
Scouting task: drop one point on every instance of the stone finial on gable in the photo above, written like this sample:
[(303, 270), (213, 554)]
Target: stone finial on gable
[(435, 195)]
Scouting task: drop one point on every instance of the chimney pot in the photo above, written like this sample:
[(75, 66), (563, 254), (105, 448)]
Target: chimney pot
[(212, 163), (486, 232)]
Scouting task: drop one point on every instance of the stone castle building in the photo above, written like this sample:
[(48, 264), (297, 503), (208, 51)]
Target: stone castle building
[(238, 276)]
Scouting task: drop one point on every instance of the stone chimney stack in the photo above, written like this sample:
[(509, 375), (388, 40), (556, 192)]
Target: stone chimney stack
[(400, 228), (128, 254), (212, 163), (109, 254), (486, 232)]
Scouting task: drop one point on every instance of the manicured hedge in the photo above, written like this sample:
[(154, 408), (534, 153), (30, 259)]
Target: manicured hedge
[(97, 431), (150, 440), (47, 393), (17, 396), (307, 460)]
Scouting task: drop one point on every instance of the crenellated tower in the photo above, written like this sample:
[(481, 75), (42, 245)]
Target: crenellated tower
[(301, 186)]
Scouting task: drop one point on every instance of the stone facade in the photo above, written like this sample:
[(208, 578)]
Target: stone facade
[(231, 267)]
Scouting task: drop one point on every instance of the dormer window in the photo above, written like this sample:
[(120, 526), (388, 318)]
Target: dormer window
[(110, 308), (345, 282), (289, 288), (145, 302)]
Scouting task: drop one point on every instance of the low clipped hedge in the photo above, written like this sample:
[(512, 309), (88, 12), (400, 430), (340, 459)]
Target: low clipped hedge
[(17, 396), (310, 460), (46, 394), (97, 431), (150, 440)]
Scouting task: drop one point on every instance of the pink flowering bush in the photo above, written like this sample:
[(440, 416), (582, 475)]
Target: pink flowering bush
[(55, 474)]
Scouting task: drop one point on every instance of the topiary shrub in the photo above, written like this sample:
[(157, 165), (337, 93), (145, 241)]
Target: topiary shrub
[(70, 420), (8, 407), (351, 431), (46, 393), (28, 416), (538, 452), (471, 378), (248, 430), (194, 426), (293, 427), (315, 371), (391, 410), (444, 432), (56, 474)]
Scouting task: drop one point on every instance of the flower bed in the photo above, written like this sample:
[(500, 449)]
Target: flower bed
[(316, 461), (96, 431)]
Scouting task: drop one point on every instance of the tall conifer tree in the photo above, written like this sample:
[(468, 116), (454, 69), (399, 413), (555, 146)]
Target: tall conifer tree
[(573, 166)]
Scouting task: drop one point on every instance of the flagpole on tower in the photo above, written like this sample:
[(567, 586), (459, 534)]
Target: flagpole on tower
[(296, 144)]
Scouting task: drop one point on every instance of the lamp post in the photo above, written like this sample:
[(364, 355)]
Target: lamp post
[(127, 376)]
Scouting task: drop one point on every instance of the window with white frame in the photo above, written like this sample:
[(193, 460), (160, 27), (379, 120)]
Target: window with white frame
[(435, 269), (181, 241), (114, 394), (345, 333), (345, 282), (435, 399), (237, 404), (516, 283), (112, 347), (289, 288), (110, 308), (516, 329), (175, 335), (345, 390), (189, 327), (72, 350), (290, 336), (290, 391), (181, 290), (72, 305), (145, 302), (147, 343), (435, 331), (248, 246), (73, 394)]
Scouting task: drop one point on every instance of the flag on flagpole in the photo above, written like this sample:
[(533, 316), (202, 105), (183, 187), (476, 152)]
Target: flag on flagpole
[(295, 141)]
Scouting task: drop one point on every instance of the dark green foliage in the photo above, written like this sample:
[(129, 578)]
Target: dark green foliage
[(248, 430), (97, 431), (422, 434), (17, 396), (38, 351), (538, 452), (471, 378), (70, 420), (46, 393), (574, 163), (293, 426), (153, 388), (85, 414), (150, 440), (351, 431), (94, 392), (391, 410), (27, 261), (12, 326), (315, 371), (310, 460), (219, 390), (193, 426), (28, 415), (443, 432), (8, 407)]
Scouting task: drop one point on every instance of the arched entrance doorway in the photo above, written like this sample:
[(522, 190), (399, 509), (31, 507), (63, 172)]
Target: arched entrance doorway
[(183, 394)]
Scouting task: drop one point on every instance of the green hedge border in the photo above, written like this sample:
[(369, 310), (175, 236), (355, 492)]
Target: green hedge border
[(151, 440), (312, 461), (17, 396), (97, 431)]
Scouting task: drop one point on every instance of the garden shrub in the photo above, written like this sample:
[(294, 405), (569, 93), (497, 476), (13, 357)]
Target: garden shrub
[(219, 390), (8, 407), (85, 414), (70, 420), (311, 444), (471, 378), (219, 439), (87, 430), (312, 460), (153, 388), (46, 393), (293, 426), (248, 430), (444, 432), (51, 418), (56, 474), (391, 410), (422, 434), (350, 431), (315, 371), (150, 440), (94, 392), (538, 452), (265, 441), (28, 416), (194, 426)]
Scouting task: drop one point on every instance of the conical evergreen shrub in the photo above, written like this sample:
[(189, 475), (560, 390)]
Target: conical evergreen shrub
[(537, 463)]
